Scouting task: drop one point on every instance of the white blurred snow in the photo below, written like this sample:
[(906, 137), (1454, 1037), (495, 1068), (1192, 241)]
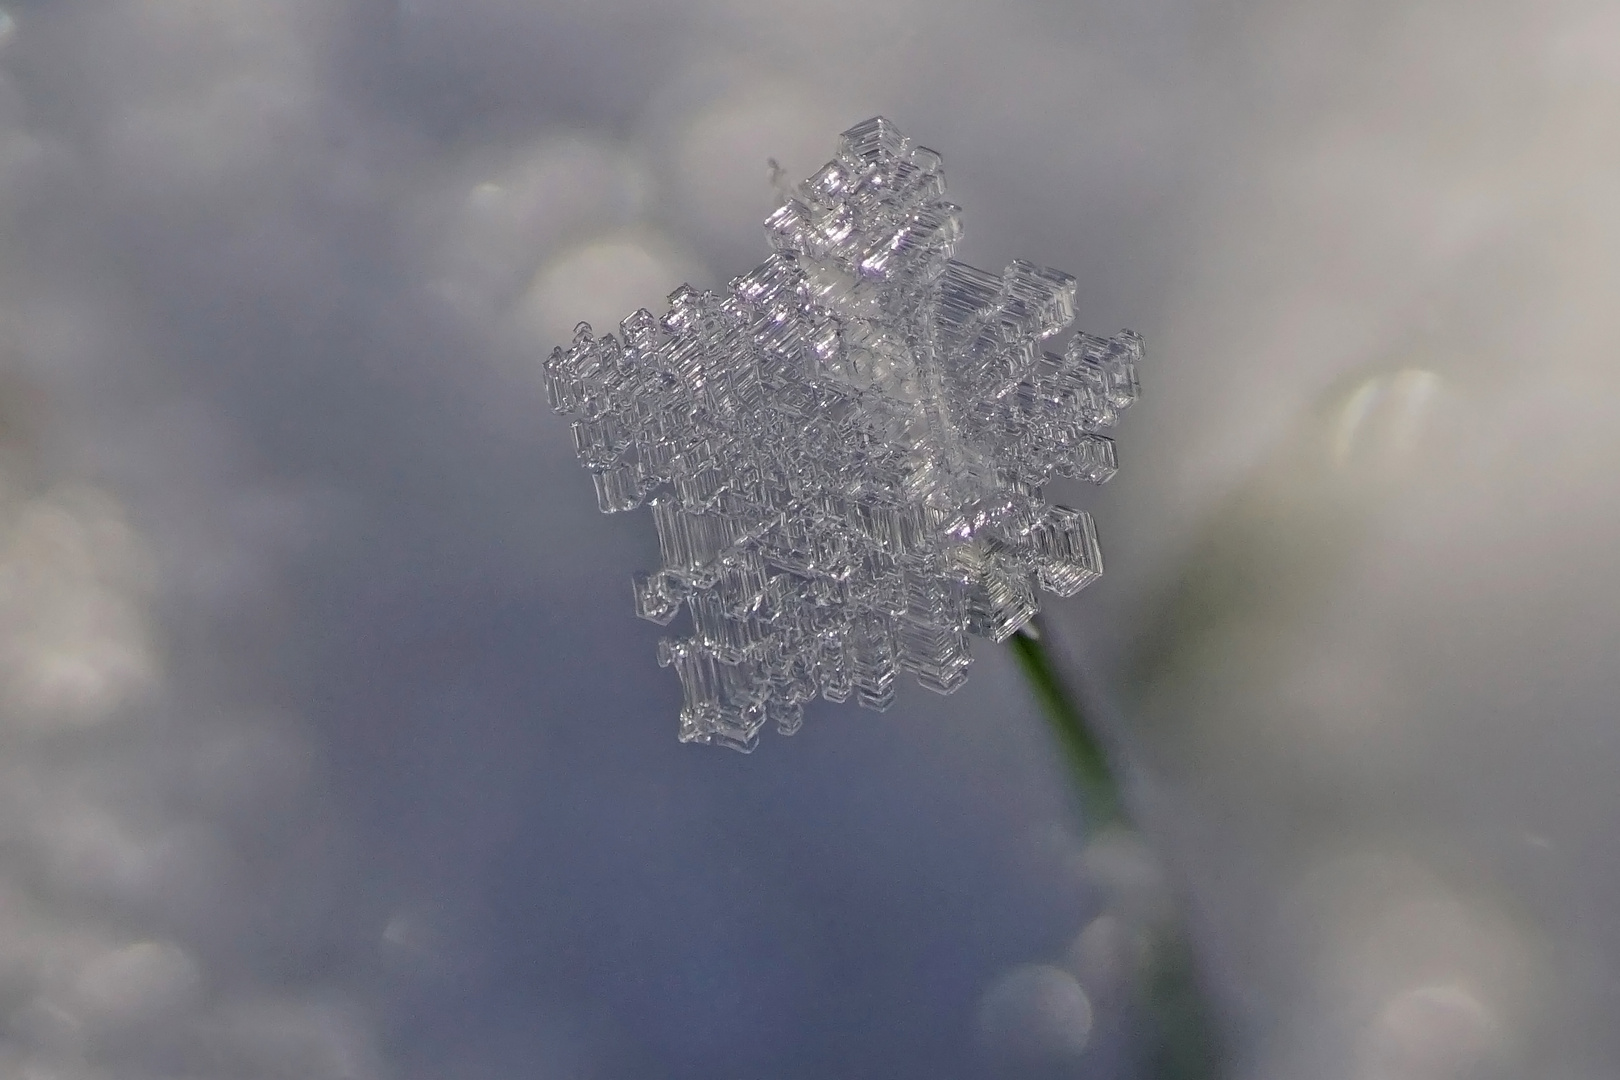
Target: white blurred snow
[(1385, 773)]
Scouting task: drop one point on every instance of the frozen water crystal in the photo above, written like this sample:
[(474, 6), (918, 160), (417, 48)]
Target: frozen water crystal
[(844, 451)]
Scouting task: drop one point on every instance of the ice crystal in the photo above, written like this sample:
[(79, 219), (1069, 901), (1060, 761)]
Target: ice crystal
[(844, 451)]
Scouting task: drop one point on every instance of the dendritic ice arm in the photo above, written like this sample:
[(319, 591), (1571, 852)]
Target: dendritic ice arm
[(844, 452)]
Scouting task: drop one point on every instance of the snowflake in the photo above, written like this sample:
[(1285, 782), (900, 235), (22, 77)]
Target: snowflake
[(844, 452)]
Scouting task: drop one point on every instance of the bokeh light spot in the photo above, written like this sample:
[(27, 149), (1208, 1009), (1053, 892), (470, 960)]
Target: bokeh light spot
[(601, 283), (1035, 1012)]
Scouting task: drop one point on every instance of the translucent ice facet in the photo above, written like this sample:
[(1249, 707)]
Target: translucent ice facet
[(844, 450), (1067, 557)]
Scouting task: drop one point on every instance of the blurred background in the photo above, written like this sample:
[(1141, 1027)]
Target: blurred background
[(330, 747)]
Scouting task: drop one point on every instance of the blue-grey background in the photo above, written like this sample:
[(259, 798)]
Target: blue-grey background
[(331, 748)]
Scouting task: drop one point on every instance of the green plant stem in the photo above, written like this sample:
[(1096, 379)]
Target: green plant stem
[(1182, 1043), (1088, 763)]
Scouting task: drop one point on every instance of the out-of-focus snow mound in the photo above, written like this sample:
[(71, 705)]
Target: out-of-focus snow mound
[(1370, 662)]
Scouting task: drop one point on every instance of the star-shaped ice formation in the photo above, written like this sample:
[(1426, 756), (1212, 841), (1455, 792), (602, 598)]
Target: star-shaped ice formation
[(844, 452)]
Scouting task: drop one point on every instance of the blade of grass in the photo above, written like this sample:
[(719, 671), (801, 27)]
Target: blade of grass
[(1088, 763), (1182, 1042)]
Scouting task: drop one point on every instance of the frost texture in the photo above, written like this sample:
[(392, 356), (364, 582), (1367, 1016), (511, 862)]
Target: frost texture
[(844, 452)]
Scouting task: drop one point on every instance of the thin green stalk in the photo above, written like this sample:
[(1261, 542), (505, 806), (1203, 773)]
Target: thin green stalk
[(1099, 792), (1182, 1042)]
